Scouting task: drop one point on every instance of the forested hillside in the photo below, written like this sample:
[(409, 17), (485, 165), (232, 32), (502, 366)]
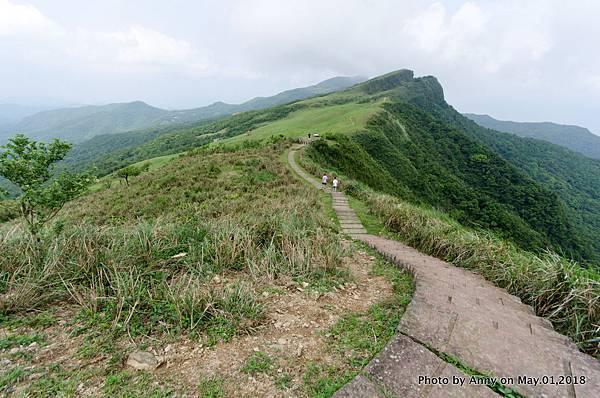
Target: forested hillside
[(409, 154), (107, 153), (576, 138), (13, 113), (82, 123), (571, 176)]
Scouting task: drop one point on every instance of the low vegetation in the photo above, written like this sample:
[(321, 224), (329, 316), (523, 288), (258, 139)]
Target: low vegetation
[(358, 337), (9, 210)]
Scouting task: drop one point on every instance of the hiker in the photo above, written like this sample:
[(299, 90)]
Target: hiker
[(324, 179), (335, 184), (309, 136)]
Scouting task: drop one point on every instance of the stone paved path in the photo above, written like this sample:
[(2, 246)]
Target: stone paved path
[(457, 312)]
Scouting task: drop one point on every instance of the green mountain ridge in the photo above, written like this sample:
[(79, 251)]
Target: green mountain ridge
[(570, 175), (423, 150), (397, 134), (576, 138), (408, 153)]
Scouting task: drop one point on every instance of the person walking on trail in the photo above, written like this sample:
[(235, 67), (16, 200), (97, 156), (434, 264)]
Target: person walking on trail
[(324, 179), (335, 184)]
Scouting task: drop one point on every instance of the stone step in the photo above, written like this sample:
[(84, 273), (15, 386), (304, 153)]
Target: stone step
[(351, 225), (400, 368), (354, 230)]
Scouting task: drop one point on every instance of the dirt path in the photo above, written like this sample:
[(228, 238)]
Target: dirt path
[(457, 312)]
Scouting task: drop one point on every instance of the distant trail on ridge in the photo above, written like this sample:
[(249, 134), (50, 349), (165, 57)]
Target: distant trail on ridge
[(457, 312)]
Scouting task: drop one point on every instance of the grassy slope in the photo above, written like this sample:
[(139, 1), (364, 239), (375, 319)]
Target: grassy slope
[(236, 214), (345, 118), (153, 164)]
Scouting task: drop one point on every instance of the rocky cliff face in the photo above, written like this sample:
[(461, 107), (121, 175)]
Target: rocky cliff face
[(388, 82)]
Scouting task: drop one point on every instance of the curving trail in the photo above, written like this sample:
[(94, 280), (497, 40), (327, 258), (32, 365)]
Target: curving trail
[(457, 312)]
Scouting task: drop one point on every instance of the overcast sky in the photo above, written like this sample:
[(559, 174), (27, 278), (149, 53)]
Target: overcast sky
[(519, 60)]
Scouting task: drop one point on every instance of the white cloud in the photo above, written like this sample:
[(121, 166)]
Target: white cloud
[(18, 19), (138, 49), (354, 34), (37, 39)]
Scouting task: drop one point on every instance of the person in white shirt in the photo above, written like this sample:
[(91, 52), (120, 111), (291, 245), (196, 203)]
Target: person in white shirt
[(324, 179), (335, 184)]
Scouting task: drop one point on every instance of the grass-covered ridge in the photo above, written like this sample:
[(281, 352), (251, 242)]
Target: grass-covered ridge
[(341, 119), (431, 154), (142, 258)]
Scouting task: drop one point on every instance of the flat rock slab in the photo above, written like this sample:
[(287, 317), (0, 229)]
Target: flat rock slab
[(407, 369), (141, 360), (351, 225)]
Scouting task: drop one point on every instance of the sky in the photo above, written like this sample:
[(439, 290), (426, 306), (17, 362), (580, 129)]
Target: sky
[(515, 60)]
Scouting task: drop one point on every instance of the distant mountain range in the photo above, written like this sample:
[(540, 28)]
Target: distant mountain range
[(578, 139), (82, 123)]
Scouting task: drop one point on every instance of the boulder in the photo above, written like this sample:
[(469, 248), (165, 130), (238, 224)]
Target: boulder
[(141, 360)]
